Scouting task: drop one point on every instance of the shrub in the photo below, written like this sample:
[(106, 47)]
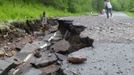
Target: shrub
[(98, 5), (70, 5)]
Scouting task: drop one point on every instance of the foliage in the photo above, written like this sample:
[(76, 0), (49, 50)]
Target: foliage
[(123, 5), (20, 9), (131, 14), (72, 6), (98, 5), (24, 9)]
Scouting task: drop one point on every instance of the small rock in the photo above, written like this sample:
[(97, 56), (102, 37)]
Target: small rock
[(76, 59), (37, 54), (2, 53)]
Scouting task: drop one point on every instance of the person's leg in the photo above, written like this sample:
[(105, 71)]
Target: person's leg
[(107, 13), (110, 11)]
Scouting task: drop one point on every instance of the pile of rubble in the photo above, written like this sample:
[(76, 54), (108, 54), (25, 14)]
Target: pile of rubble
[(42, 46)]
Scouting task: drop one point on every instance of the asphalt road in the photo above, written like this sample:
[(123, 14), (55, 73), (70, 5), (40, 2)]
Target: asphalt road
[(114, 46)]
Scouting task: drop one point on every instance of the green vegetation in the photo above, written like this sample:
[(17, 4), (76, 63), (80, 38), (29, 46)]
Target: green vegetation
[(72, 6), (90, 5), (123, 5), (97, 5), (131, 14), (22, 9)]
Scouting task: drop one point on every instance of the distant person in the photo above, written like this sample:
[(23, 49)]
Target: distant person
[(108, 7)]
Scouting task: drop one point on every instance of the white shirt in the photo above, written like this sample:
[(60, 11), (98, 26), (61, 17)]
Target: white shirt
[(108, 4)]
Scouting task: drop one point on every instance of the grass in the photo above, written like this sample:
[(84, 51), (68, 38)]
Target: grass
[(131, 14), (20, 11)]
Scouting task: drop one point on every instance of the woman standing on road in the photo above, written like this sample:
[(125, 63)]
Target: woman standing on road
[(108, 7)]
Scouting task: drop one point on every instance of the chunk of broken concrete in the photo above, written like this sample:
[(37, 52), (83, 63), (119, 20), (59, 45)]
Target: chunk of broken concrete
[(50, 69), (32, 71), (6, 66), (44, 60), (61, 45), (76, 59), (42, 64)]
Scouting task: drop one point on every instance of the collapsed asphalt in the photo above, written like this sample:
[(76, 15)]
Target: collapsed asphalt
[(110, 54)]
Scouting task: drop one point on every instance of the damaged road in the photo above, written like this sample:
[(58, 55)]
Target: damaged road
[(113, 47), (41, 51), (63, 47)]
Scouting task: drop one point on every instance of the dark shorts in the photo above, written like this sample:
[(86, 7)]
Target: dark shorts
[(108, 9)]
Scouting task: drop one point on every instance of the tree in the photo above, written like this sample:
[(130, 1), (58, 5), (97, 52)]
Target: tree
[(98, 5)]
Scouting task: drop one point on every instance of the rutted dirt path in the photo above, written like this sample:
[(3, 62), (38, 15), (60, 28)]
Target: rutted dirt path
[(114, 46)]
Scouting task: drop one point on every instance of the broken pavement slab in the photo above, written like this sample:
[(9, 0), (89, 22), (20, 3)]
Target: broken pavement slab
[(76, 59), (51, 69), (61, 45), (31, 47), (45, 60), (32, 71), (5, 67)]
